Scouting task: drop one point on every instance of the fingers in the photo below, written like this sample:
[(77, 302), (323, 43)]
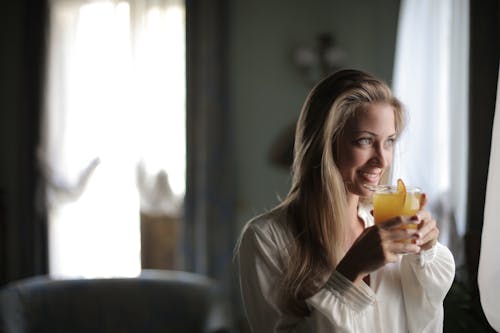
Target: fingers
[(379, 245), (427, 223), (429, 233), (392, 249), (400, 234), (391, 223), (423, 201), (429, 239), (399, 221)]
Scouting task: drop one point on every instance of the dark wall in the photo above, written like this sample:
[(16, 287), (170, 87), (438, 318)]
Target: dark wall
[(22, 241), (484, 57), (484, 62), (267, 89)]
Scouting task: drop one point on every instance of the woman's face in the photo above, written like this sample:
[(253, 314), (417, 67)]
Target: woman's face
[(365, 148)]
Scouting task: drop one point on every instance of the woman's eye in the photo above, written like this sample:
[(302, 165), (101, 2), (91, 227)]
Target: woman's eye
[(390, 142), (364, 141)]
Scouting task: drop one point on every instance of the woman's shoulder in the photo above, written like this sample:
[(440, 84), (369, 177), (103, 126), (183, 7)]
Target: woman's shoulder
[(268, 224), (269, 230)]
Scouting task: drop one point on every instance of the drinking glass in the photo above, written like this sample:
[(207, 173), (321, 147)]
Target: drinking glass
[(389, 202)]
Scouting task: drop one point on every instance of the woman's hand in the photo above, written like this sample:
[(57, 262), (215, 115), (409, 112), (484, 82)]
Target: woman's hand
[(378, 245), (428, 231)]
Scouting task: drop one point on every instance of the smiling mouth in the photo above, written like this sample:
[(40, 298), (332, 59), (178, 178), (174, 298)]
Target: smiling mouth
[(372, 177)]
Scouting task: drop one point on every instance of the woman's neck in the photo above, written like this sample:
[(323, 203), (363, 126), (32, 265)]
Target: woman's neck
[(356, 226), (352, 207)]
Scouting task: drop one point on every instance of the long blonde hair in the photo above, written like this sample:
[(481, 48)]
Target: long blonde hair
[(316, 204)]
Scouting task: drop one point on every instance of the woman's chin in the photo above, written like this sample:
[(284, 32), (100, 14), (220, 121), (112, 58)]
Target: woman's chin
[(365, 193), (360, 190)]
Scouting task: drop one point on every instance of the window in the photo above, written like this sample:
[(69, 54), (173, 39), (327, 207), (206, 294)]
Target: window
[(431, 79), (115, 116)]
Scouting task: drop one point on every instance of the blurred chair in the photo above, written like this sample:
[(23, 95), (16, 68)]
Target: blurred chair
[(156, 301)]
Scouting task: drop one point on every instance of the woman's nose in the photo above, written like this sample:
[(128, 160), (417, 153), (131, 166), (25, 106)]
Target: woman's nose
[(380, 156)]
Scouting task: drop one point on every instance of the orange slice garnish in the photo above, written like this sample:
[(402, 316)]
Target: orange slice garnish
[(402, 191)]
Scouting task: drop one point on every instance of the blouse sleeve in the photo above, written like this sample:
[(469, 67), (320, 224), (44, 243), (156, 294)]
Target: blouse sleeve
[(340, 301), (259, 273), (426, 279)]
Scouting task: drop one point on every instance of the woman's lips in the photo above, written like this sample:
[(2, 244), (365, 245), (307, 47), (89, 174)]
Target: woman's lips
[(371, 177)]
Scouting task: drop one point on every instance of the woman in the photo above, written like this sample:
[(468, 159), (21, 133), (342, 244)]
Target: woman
[(317, 262)]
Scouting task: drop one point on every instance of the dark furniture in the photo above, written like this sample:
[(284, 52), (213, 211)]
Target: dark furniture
[(156, 301)]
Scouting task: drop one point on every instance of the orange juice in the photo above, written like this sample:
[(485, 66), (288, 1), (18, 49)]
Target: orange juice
[(389, 202)]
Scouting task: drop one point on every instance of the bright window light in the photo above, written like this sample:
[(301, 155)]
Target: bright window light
[(115, 99)]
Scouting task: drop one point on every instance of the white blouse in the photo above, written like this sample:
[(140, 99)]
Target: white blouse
[(406, 296)]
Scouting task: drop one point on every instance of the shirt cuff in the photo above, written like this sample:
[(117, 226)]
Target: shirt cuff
[(358, 297)]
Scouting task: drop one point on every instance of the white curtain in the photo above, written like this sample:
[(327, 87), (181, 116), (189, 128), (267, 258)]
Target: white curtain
[(115, 102), (489, 264), (431, 79)]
